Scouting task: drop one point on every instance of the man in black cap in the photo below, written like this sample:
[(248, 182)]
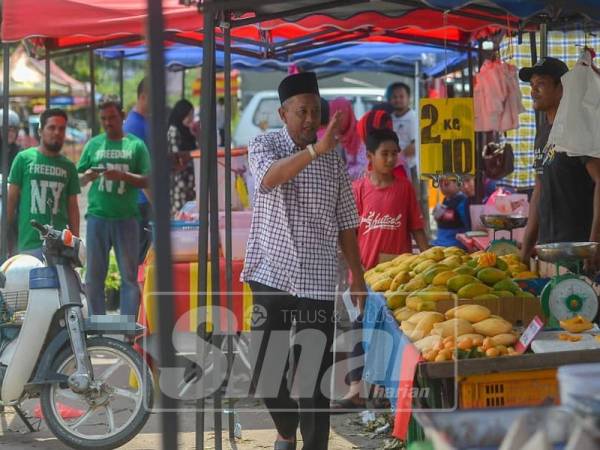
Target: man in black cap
[(565, 204), (303, 209)]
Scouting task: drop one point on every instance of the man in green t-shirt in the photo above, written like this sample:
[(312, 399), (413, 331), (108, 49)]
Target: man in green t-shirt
[(117, 164), (43, 184)]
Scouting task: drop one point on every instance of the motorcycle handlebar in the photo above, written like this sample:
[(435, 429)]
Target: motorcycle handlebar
[(43, 229)]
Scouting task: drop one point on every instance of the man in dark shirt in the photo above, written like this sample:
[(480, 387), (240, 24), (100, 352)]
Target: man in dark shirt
[(565, 204)]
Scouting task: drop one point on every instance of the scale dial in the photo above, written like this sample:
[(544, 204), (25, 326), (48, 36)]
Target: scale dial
[(571, 296), (502, 247)]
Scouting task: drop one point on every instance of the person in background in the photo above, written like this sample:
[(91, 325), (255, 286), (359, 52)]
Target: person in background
[(43, 185), (389, 216), (406, 126), (136, 123), (468, 186), (452, 215), (117, 165), (351, 147), (221, 120), (13, 149), (181, 141)]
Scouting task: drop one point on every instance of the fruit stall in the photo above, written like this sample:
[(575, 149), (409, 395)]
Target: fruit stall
[(488, 332)]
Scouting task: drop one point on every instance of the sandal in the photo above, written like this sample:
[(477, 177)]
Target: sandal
[(285, 445)]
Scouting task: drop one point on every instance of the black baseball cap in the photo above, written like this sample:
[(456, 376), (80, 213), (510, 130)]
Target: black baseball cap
[(545, 66)]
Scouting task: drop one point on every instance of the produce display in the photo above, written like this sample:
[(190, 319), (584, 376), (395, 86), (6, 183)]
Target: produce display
[(413, 284)]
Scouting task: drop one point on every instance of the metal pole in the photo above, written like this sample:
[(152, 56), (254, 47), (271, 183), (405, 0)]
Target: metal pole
[(207, 74), (210, 130), (93, 93), (121, 87), (183, 83), (161, 207), (226, 27), (479, 182), (47, 77), (540, 117), (5, 150)]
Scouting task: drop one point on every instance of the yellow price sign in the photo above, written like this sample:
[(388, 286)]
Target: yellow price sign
[(447, 130)]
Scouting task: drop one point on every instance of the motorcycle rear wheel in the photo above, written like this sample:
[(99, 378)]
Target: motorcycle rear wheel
[(125, 367)]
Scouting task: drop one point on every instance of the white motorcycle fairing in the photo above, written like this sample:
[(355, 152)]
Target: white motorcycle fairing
[(44, 302)]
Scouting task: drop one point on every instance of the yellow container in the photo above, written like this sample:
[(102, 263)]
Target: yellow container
[(521, 388)]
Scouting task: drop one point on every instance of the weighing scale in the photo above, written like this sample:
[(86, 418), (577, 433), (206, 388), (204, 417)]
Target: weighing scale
[(567, 295), (499, 222)]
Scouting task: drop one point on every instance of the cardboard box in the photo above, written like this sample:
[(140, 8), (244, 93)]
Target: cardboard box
[(518, 311)]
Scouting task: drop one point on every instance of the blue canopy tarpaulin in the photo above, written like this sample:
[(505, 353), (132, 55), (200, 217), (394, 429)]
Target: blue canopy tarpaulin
[(382, 57)]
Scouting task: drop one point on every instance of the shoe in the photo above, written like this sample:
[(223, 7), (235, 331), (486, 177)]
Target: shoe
[(284, 445), (346, 403)]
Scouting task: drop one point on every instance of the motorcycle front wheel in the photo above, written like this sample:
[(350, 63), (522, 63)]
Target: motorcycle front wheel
[(109, 416)]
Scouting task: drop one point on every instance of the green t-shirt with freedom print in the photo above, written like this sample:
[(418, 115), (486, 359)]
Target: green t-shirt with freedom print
[(109, 199), (46, 183)]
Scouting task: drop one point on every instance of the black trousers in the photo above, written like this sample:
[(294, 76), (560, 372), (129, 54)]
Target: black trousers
[(274, 311)]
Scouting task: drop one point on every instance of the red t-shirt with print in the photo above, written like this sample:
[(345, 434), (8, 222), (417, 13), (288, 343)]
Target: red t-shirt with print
[(387, 216)]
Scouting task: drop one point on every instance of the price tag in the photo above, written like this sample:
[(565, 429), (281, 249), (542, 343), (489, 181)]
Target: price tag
[(447, 131), (529, 335)]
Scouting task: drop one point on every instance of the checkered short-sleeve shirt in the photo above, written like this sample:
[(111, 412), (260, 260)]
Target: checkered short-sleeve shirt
[(295, 227)]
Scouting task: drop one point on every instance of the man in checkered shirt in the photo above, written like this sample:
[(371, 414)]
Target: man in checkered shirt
[(303, 209)]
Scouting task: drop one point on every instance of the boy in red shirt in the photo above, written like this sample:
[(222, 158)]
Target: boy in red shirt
[(387, 204), (389, 214)]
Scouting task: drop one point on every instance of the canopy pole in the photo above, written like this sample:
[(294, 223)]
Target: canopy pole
[(121, 87), (211, 148), (47, 76), (93, 93), (161, 207), (226, 27), (5, 150), (207, 86), (540, 117), (183, 82)]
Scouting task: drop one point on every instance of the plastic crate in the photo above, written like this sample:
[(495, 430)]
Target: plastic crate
[(521, 388)]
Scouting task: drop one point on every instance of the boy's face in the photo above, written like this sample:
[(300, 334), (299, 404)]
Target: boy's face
[(384, 159), (448, 187), (468, 187)]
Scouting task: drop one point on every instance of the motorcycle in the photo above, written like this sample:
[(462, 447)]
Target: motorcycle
[(50, 350)]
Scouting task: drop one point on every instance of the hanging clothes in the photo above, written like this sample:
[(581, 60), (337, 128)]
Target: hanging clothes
[(497, 97), (576, 130)]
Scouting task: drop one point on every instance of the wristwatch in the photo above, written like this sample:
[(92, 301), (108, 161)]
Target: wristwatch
[(312, 151)]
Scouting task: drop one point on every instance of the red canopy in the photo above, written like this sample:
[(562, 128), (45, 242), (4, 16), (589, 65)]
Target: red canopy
[(75, 22)]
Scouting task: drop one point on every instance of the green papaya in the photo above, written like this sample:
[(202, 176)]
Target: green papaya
[(507, 285), (491, 275), (456, 283), (472, 290)]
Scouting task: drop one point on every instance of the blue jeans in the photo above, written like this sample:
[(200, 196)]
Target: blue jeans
[(123, 236)]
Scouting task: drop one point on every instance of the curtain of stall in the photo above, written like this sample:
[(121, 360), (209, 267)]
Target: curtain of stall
[(162, 226), (226, 27), (206, 118), (5, 152)]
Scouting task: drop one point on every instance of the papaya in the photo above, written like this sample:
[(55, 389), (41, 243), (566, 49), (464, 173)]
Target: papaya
[(382, 284), (491, 275), (426, 305), (525, 294), (492, 326), (502, 294), (393, 271), (442, 277), (576, 324), (415, 284), (456, 283), (401, 258), (452, 261), (449, 251), (486, 297), (435, 253), (488, 259), (501, 264), (418, 260), (421, 267), (395, 299), (403, 313), (400, 278), (465, 258), (472, 263), (507, 285), (473, 290), (430, 273), (435, 288), (465, 270)]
